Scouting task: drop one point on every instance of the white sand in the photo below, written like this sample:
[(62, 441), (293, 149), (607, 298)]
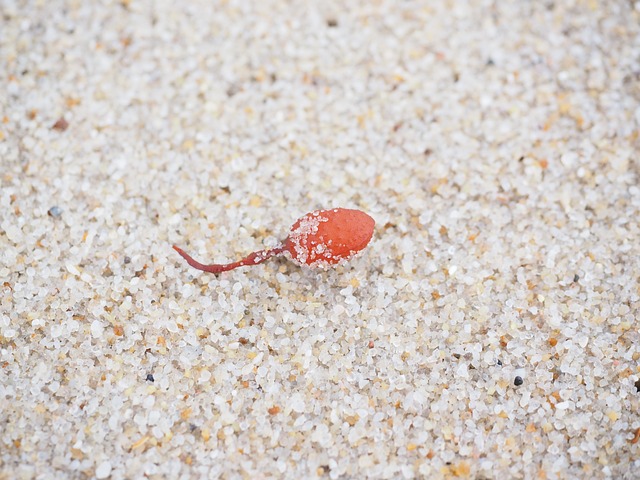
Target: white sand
[(497, 147)]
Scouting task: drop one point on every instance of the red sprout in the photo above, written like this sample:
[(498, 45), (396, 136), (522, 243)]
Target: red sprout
[(318, 239)]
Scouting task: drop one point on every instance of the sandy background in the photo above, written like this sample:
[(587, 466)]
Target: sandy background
[(489, 331)]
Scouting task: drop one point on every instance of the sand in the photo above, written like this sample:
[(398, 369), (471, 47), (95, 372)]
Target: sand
[(490, 330)]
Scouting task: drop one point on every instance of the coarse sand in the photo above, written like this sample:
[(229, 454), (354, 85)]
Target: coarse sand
[(490, 330)]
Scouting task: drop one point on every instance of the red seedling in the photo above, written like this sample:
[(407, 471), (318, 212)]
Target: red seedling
[(319, 239)]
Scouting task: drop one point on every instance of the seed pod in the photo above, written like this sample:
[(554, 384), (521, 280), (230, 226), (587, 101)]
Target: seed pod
[(318, 239), (326, 237)]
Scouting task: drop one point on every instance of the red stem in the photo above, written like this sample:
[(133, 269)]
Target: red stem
[(253, 259)]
